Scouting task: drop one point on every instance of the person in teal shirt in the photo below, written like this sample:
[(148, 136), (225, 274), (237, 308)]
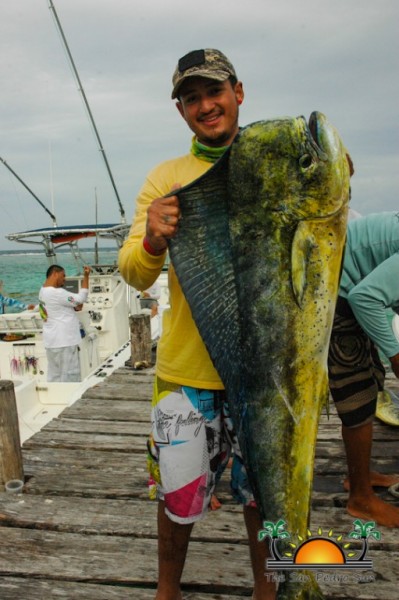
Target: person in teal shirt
[(368, 293), (6, 301)]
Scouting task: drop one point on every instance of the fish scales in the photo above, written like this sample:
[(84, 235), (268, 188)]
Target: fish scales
[(264, 232)]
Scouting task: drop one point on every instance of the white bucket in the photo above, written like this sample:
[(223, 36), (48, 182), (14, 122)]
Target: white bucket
[(14, 486)]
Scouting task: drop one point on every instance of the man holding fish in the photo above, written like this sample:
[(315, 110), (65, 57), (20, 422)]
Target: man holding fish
[(255, 244), (191, 435)]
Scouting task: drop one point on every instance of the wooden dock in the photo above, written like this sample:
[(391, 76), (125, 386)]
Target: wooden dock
[(85, 529)]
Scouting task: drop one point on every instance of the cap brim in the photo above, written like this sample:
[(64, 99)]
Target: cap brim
[(199, 73)]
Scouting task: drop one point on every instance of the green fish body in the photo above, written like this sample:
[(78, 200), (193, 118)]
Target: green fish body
[(258, 256)]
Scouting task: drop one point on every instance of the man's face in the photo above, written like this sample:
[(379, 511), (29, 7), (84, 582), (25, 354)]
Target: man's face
[(210, 109), (60, 278)]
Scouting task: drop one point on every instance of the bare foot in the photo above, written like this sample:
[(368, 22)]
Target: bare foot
[(374, 509), (214, 504), (377, 480)]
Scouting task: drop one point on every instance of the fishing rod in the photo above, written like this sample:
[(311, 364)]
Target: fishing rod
[(81, 90), (30, 191)]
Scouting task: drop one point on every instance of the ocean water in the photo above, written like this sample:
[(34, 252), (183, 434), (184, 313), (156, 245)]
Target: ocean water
[(23, 274)]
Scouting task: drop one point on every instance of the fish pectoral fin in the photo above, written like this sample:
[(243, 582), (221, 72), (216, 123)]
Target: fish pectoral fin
[(302, 246)]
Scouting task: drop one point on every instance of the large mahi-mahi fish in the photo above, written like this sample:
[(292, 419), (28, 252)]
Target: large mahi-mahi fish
[(258, 256)]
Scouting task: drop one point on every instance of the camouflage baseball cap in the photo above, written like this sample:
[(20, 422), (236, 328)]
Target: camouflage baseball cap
[(209, 63)]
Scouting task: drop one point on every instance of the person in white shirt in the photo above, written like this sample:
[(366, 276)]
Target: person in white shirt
[(61, 327)]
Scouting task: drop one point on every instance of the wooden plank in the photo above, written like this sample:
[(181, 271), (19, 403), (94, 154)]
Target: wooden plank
[(85, 472), (79, 468), (74, 470), (97, 441), (136, 377), (79, 458), (100, 485), (381, 432), (118, 391), (381, 449), (387, 464), (17, 588), (111, 517), (138, 518), (108, 478), (66, 425), (120, 483), (99, 558), (104, 410)]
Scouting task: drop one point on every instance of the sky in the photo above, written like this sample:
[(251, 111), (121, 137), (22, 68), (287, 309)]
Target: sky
[(293, 57)]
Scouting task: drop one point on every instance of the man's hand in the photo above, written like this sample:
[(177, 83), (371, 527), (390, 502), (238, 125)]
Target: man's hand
[(162, 221), (395, 364), (85, 280)]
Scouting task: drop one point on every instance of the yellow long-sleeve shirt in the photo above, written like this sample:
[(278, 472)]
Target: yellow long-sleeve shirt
[(181, 355)]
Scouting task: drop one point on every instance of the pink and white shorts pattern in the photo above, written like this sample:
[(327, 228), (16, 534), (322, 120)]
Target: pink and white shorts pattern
[(189, 448)]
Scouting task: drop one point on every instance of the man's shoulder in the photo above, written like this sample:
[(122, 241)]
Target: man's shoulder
[(182, 169), (49, 290), (174, 163)]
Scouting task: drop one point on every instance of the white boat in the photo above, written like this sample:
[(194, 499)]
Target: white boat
[(105, 328), (104, 319)]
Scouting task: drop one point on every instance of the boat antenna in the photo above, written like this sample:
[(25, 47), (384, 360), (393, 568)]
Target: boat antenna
[(80, 88), (96, 216), (30, 191)]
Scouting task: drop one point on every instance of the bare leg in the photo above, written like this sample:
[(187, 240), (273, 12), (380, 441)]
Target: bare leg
[(363, 502), (264, 589), (173, 540)]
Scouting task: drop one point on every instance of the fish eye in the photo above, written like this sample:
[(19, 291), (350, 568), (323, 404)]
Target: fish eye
[(305, 161)]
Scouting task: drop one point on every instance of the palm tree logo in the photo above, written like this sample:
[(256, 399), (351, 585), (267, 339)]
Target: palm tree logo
[(363, 531), (276, 532), (318, 550)]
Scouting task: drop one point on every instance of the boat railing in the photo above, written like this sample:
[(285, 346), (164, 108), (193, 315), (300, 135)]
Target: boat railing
[(22, 323)]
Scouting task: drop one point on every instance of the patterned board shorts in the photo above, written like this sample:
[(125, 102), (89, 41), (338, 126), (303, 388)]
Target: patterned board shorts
[(355, 371), (191, 441)]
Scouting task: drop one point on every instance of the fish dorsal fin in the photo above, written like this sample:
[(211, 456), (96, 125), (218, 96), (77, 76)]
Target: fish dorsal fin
[(202, 258)]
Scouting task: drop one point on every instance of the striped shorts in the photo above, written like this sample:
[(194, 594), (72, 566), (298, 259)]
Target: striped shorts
[(191, 441), (355, 371)]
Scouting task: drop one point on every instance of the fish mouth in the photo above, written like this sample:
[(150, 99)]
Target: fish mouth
[(323, 136), (313, 126)]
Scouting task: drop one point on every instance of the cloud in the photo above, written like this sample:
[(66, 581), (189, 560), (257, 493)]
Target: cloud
[(293, 57)]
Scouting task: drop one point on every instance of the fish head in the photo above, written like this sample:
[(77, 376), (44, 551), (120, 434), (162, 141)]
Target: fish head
[(333, 163), (302, 170)]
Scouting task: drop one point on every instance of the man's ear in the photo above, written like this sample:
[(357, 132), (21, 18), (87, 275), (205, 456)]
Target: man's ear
[(239, 92)]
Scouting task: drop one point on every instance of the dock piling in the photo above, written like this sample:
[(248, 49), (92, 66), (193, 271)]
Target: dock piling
[(140, 336), (11, 467)]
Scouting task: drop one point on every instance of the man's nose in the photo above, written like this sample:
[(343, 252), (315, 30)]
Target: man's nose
[(207, 104)]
